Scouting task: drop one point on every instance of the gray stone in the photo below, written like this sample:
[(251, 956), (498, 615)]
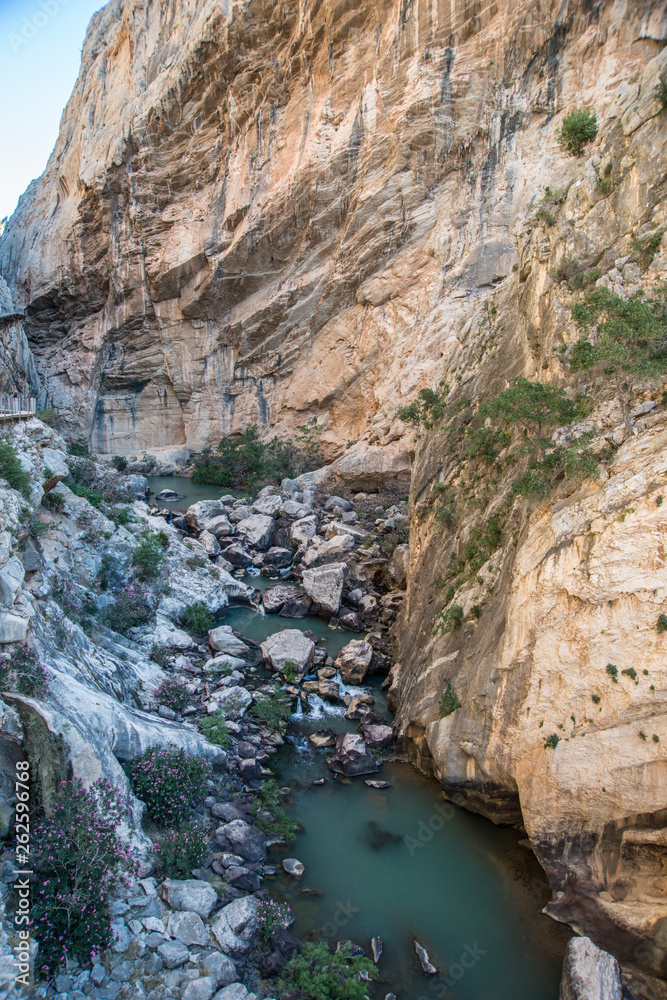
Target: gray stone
[(351, 756), (98, 974), (324, 584), (222, 640), (198, 989), (210, 543), (589, 973), (121, 973), (120, 936), (288, 646), (187, 927), (199, 514), (235, 991), (153, 965), (327, 552), (353, 661), (335, 501), (219, 968), (247, 841), (235, 925), (398, 566), (293, 867), (233, 701), (258, 530), (376, 736), (304, 529), (267, 505), (12, 628), (11, 578), (219, 526), (189, 894), (173, 954)]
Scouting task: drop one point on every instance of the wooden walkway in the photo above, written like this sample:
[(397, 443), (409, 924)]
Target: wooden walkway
[(17, 407)]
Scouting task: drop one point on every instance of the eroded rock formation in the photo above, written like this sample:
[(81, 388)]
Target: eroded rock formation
[(278, 212)]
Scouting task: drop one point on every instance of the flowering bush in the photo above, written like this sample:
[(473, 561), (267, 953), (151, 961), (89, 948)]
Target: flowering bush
[(170, 782), (174, 694), (272, 915), (80, 860), (133, 606), (177, 852), (23, 672)]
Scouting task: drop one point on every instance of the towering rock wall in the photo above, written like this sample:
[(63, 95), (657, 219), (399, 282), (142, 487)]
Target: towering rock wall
[(274, 212)]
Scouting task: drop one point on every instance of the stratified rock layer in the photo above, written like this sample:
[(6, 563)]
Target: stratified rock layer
[(273, 212)]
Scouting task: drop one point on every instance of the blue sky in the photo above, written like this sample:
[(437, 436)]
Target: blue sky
[(40, 52)]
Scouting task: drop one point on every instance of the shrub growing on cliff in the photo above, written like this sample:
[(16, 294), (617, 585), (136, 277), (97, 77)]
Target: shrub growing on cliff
[(449, 620), (318, 974), (178, 852), (551, 742), (133, 606), (197, 618), (449, 701), (12, 471), (79, 860), (95, 485), (426, 409), (54, 502), (119, 463), (661, 93), (23, 672), (170, 782), (578, 129), (149, 553)]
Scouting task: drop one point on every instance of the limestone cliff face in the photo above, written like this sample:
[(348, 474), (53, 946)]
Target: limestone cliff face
[(577, 583), (276, 212)]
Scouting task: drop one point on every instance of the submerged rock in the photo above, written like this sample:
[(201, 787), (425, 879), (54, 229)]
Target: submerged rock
[(323, 738), (293, 867), (169, 495), (424, 960), (376, 945)]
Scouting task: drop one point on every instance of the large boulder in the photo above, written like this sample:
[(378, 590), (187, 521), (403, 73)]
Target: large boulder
[(245, 840), (219, 526), (277, 594), (235, 926), (351, 756), (397, 568), (288, 646), (304, 529), (340, 528), (223, 640), (292, 509), (324, 584), (199, 514), (235, 554), (210, 543), (353, 661), (233, 701), (589, 973), (267, 505), (258, 530), (189, 895), (323, 552), (376, 736)]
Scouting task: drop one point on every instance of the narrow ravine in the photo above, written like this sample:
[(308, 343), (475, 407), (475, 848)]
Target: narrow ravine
[(404, 864)]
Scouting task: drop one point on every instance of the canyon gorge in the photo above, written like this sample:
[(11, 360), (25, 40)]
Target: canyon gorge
[(303, 214)]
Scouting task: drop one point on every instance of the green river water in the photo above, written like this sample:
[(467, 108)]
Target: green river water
[(402, 863)]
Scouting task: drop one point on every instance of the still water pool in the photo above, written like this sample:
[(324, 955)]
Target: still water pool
[(180, 484), (259, 627)]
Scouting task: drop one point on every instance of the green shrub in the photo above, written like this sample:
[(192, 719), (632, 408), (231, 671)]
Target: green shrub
[(12, 471), (216, 730), (270, 816), (449, 702), (485, 443), (148, 555), (54, 502), (662, 623), (119, 516), (79, 860), (272, 709), (536, 406), (578, 129), (119, 463), (427, 408), (449, 620), (170, 782), (612, 671), (97, 486), (317, 974), (631, 673), (248, 461), (197, 618), (544, 215), (48, 417), (159, 655), (605, 183), (174, 694), (551, 742), (78, 449), (595, 698), (23, 672), (178, 852), (132, 607)]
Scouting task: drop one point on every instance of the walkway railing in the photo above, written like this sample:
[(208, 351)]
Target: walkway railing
[(15, 407)]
